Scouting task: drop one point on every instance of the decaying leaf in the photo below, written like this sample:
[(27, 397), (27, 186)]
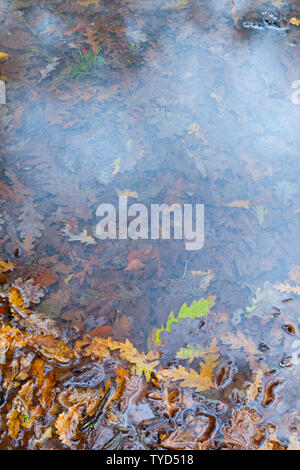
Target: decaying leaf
[(20, 414), (92, 346), (30, 221), (295, 21), (76, 402), (127, 193)]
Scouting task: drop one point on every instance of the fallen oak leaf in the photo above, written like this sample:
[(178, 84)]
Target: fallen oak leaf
[(192, 379), (16, 300), (239, 204), (136, 258), (294, 273), (240, 341), (53, 63), (294, 21), (29, 291), (197, 309), (92, 346), (138, 360), (127, 193), (52, 348), (287, 288), (82, 237), (134, 265)]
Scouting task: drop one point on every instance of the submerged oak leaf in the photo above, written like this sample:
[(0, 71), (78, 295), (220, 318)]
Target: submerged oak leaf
[(192, 379), (6, 266), (240, 341), (82, 237), (197, 309), (52, 348), (287, 288), (190, 352), (16, 299)]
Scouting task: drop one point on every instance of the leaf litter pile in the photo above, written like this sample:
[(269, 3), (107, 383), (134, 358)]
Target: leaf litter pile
[(123, 344)]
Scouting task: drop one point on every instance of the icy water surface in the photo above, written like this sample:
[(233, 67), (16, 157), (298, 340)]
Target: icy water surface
[(180, 101)]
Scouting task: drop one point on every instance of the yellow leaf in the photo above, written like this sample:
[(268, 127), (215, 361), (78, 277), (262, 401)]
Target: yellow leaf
[(52, 348), (239, 341), (13, 423), (243, 204), (191, 379), (295, 21), (116, 167)]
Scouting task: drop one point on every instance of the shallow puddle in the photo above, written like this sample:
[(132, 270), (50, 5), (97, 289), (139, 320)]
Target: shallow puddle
[(125, 343)]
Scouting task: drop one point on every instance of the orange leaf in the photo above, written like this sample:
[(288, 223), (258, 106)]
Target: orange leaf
[(134, 265), (294, 273)]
